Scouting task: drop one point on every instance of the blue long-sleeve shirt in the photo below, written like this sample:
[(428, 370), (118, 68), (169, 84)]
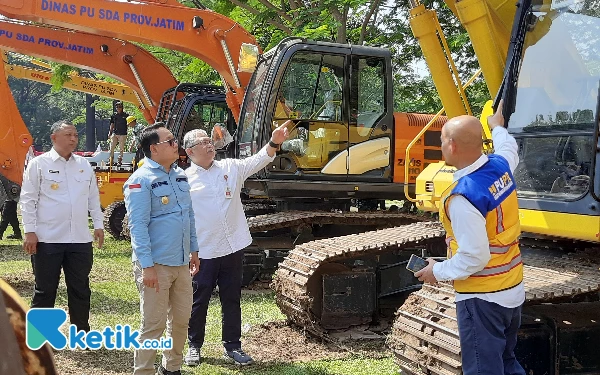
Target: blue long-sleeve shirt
[(161, 217)]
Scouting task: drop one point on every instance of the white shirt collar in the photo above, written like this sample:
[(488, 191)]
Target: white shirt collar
[(55, 155), (470, 168), (198, 169)]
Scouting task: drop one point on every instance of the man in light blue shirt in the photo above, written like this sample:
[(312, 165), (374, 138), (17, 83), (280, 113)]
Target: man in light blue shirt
[(165, 248)]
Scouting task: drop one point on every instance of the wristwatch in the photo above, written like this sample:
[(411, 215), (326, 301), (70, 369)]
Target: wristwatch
[(273, 144)]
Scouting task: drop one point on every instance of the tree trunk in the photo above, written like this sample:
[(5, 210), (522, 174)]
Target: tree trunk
[(363, 28)]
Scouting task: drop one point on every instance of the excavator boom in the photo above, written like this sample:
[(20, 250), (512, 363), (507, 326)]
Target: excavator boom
[(109, 90), (123, 61), (207, 35), (15, 143)]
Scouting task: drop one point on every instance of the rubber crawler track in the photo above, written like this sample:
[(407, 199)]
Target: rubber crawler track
[(113, 221)]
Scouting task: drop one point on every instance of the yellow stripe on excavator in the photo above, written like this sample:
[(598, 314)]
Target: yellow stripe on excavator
[(560, 224)]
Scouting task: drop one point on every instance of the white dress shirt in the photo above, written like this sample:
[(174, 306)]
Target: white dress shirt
[(469, 230), (221, 225), (56, 196)]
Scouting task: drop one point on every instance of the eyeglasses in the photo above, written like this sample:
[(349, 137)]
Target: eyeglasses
[(204, 143), (171, 142)]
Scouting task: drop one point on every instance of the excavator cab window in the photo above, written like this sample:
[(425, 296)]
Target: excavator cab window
[(369, 97), (555, 114), (555, 167), (312, 92), (205, 115)]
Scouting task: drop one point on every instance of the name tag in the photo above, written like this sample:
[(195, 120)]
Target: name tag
[(157, 184)]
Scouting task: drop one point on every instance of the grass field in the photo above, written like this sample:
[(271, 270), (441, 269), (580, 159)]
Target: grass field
[(276, 347)]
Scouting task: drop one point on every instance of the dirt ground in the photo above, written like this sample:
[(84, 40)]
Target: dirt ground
[(268, 342), (281, 342)]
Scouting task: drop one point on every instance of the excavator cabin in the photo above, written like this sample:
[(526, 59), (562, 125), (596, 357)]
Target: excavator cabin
[(345, 132)]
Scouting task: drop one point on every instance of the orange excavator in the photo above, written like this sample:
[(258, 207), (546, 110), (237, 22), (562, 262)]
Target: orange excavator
[(148, 77), (118, 59), (15, 143), (207, 35), (126, 62)]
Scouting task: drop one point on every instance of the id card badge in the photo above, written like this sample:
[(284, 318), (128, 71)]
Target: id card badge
[(228, 194)]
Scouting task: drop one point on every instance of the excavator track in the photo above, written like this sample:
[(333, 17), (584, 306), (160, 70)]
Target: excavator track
[(299, 219), (114, 219), (297, 280), (424, 336), (289, 219)]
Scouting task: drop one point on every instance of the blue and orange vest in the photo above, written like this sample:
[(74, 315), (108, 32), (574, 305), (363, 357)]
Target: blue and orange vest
[(491, 190)]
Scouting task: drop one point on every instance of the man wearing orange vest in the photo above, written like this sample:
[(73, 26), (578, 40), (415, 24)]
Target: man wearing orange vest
[(481, 216)]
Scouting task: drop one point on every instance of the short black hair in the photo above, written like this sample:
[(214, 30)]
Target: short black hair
[(150, 137), (118, 104)]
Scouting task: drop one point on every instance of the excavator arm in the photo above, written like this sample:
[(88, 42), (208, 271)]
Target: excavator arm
[(118, 59), (115, 91), (207, 35), (489, 25)]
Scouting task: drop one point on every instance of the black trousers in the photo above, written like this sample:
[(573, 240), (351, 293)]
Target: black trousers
[(76, 260), (9, 216), (226, 272)]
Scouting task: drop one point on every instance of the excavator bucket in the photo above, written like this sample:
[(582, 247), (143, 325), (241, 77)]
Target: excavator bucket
[(15, 357)]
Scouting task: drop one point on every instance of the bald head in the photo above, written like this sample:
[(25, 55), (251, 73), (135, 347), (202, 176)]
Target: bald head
[(462, 141), (465, 131)]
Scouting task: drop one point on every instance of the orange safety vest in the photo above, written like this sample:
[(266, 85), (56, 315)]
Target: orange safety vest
[(492, 192)]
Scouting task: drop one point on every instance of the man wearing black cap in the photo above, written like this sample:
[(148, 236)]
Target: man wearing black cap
[(118, 130)]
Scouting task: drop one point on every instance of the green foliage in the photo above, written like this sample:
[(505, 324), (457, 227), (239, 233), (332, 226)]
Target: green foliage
[(40, 108), (61, 74)]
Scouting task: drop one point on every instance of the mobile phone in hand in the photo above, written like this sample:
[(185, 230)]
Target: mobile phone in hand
[(416, 263)]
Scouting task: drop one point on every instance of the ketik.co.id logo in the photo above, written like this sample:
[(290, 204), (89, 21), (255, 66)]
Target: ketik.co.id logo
[(43, 325)]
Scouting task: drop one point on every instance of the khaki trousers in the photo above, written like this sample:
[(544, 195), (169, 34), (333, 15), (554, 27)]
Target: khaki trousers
[(170, 307), (120, 139)]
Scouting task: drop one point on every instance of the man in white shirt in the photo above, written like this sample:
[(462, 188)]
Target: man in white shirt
[(481, 216), (59, 189), (222, 233)]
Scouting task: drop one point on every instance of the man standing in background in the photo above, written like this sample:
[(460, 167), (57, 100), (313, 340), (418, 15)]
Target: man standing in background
[(9, 216), (118, 132)]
